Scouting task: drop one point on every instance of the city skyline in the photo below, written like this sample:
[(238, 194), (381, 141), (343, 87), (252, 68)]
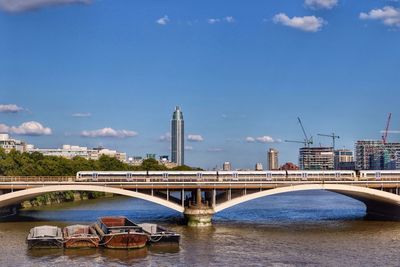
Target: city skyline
[(241, 77)]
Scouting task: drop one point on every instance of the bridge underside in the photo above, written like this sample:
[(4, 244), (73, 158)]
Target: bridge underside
[(199, 204)]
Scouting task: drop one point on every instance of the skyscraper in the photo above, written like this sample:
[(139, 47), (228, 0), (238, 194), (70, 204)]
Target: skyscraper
[(177, 140), (272, 159)]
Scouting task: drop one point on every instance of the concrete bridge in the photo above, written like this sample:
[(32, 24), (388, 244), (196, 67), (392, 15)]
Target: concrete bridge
[(199, 200)]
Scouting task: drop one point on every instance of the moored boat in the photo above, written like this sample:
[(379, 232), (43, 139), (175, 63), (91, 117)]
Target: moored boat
[(120, 232), (45, 236), (159, 234), (80, 236)]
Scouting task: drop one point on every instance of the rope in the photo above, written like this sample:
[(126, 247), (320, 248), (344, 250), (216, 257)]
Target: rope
[(155, 240), (105, 243)]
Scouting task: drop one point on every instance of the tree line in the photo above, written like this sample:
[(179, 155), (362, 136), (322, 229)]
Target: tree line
[(16, 163)]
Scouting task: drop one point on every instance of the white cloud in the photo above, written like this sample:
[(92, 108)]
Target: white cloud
[(109, 132), (213, 21), (321, 4), (26, 128), (227, 19), (189, 148), (215, 149), (390, 16), (250, 139), (265, 139), (4, 128), (195, 138), (306, 23), (82, 115), (163, 20), (262, 139), (10, 108), (165, 137), (24, 5)]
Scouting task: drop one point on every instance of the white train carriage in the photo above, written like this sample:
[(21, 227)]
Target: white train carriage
[(380, 175), (321, 175), (110, 176), (177, 176)]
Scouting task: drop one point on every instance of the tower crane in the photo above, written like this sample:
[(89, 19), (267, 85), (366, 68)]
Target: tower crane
[(385, 133), (307, 141), (333, 136)]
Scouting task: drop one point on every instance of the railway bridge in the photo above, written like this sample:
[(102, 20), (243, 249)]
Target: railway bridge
[(199, 199)]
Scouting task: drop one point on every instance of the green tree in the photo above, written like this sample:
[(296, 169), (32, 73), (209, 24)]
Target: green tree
[(152, 165)]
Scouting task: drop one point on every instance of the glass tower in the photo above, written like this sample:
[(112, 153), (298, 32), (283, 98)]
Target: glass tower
[(177, 134)]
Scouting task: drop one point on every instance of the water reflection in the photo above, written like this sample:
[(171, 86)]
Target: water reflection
[(284, 230)]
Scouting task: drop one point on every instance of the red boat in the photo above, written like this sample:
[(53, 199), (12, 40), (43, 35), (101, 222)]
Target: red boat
[(80, 236), (120, 232)]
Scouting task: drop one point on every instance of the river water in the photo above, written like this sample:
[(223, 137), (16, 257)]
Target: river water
[(312, 228)]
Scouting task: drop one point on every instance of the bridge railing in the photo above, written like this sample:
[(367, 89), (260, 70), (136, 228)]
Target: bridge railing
[(11, 179)]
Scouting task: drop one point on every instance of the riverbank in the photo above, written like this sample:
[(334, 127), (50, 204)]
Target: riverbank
[(62, 197)]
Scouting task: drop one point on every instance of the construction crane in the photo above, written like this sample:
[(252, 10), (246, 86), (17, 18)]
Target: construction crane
[(385, 133), (333, 136), (307, 141)]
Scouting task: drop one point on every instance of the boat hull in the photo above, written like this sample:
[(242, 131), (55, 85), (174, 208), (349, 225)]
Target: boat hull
[(125, 240), (81, 242), (80, 236), (45, 243), (161, 238)]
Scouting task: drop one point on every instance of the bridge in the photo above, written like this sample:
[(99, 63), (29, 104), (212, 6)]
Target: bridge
[(199, 199)]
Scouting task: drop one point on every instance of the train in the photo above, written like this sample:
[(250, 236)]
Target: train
[(236, 176)]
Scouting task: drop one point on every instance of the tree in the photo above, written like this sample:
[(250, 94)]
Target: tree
[(152, 165)]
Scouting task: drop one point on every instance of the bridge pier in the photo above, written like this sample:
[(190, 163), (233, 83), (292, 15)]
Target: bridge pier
[(199, 212), (199, 216)]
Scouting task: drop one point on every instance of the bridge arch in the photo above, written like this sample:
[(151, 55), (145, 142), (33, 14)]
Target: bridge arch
[(379, 203), (25, 194)]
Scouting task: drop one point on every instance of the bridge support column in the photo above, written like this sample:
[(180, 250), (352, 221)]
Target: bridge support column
[(199, 216)]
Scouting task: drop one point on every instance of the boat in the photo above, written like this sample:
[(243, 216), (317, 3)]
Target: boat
[(120, 233), (80, 236), (45, 236), (159, 234)]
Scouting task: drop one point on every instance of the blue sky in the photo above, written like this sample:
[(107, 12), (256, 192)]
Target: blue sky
[(237, 70)]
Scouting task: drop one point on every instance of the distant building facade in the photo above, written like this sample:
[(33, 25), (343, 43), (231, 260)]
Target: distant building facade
[(316, 158), (273, 159), (9, 144), (344, 159), (70, 151), (375, 155), (227, 166), (177, 137), (259, 166), (289, 166)]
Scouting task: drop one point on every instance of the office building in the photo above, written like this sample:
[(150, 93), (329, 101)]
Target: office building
[(316, 158), (272, 159), (226, 166), (289, 166), (259, 166), (9, 144), (70, 151), (344, 159), (375, 155), (177, 137)]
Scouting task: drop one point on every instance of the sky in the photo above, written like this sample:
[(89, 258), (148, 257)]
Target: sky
[(110, 73)]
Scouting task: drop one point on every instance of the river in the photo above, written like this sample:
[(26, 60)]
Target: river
[(312, 228)]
